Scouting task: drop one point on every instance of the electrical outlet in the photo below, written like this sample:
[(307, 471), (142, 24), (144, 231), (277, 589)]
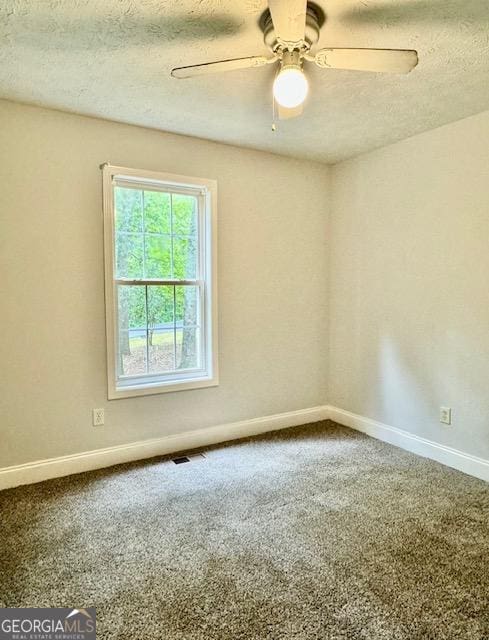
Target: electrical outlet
[(445, 415), (98, 417)]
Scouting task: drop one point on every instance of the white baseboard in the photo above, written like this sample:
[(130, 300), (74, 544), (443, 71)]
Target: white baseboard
[(87, 461), (472, 465), (66, 465)]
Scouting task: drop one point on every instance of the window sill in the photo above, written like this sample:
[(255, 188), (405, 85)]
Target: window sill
[(146, 389)]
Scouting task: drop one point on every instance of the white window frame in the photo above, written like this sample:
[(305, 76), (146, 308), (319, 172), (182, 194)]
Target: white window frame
[(207, 375)]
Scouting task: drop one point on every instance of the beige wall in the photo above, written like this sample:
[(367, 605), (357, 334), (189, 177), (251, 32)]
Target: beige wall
[(272, 235), (409, 294), (405, 256)]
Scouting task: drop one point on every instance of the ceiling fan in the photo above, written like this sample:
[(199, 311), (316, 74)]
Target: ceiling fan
[(290, 29)]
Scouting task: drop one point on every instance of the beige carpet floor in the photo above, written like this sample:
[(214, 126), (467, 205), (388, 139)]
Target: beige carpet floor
[(311, 532)]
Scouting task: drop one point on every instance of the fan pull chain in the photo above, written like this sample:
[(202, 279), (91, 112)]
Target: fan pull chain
[(274, 126)]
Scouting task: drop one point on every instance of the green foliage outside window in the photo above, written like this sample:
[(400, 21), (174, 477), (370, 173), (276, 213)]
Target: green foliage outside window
[(156, 237)]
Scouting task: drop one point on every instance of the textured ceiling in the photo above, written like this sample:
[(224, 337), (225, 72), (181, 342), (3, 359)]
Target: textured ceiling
[(112, 59)]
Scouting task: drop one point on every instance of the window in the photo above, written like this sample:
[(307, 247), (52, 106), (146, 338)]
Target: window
[(160, 282)]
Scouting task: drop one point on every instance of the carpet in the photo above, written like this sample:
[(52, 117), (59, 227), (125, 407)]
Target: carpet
[(311, 532)]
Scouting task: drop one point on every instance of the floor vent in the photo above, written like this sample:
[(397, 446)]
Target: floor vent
[(194, 457)]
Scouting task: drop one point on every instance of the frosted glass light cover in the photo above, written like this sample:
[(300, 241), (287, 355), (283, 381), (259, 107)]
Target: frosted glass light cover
[(290, 88)]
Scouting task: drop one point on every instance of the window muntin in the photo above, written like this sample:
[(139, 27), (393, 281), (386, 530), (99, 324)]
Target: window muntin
[(162, 310)]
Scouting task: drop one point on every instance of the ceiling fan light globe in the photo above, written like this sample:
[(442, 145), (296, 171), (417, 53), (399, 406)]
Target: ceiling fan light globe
[(290, 87)]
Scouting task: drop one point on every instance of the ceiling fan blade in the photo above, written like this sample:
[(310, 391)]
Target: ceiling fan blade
[(285, 114), (289, 19), (377, 60), (221, 65)]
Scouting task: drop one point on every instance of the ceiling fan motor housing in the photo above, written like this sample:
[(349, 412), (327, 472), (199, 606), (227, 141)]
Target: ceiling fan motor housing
[(291, 60), (311, 36)]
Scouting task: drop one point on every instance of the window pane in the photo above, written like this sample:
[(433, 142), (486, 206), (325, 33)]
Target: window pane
[(160, 229), (158, 256), (184, 257), (157, 212), (184, 214), (132, 330), (160, 329), (129, 255), (188, 348), (186, 306), (128, 209)]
